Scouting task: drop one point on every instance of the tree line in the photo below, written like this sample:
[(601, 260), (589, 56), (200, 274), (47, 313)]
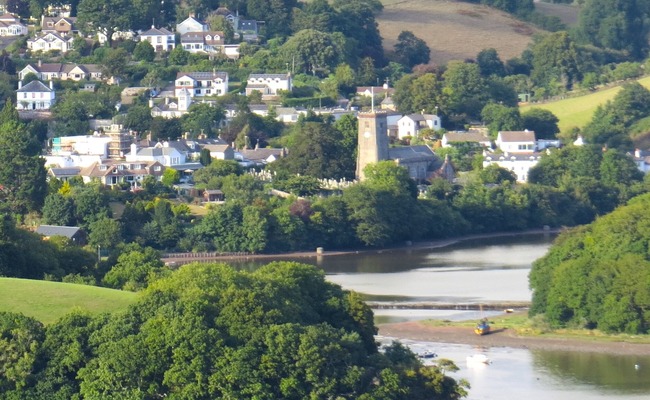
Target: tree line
[(207, 332)]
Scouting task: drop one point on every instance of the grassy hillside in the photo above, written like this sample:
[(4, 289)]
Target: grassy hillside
[(48, 301), (568, 13), (454, 30), (577, 111)]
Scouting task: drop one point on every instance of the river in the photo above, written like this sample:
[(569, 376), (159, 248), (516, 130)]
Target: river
[(484, 271)]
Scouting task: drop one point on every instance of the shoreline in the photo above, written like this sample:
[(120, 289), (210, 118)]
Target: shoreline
[(506, 337), (420, 245)]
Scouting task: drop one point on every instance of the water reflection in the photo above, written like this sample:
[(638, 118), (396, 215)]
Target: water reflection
[(613, 373)]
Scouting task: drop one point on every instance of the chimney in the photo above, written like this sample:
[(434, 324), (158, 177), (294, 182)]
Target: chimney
[(150, 103), (51, 85), (134, 149), (166, 100), (637, 153), (20, 84), (149, 136), (40, 63)]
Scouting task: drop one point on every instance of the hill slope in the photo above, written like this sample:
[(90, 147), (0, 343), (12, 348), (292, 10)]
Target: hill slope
[(454, 30), (48, 301), (577, 111)]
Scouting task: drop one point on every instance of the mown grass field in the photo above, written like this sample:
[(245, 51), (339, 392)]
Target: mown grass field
[(577, 111), (48, 301), (454, 30)]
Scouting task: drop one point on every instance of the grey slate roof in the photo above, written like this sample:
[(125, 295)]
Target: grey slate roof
[(55, 230), (203, 76), (35, 86), (413, 153), (157, 32)]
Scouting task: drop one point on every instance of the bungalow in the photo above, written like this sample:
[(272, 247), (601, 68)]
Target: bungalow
[(200, 84), (161, 39), (368, 91), (259, 157), (410, 125), (220, 151), (35, 96), (51, 71), (50, 41), (269, 85), (11, 26), (75, 234), (474, 137)]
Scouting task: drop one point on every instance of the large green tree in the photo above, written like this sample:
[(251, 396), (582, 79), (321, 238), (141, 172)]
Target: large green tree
[(22, 174), (597, 276), (616, 24), (411, 50)]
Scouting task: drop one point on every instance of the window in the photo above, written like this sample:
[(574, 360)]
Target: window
[(156, 168), (158, 39)]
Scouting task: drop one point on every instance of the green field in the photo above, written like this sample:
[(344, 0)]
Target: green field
[(577, 111), (48, 301)]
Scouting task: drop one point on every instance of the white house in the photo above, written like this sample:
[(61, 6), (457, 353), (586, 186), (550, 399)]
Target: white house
[(172, 109), (220, 151), (410, 125), (519, 163), (11, 26), (518, 153), (516, 141), (50, 41), (200, 84), (50, 71), (87, 145), (34, 96), (268, 84), (191, 24), (161, 39), (114, 172), (165, 153), (203, 42)]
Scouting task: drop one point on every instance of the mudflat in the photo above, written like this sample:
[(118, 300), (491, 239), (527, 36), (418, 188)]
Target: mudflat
[(505, 337)]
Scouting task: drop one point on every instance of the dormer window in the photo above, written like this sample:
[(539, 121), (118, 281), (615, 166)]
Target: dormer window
[(103, 167)]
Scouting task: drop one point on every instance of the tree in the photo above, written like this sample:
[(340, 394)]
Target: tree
[(310, 51), (542, 122), (105, 232), (596, 275), (221, 24), (202, 118), (20, 341), (135, 269), (144, 51), (205, 157), (138, 118), (318, 151), (178, 56), (58, 210), (115, 63), (493, 174), (170, 176), (422, 93), (616, 24), (107, 16), (490, 64), (411, 50), (465, 90), (556, 61), (501, 118), (23, 178)]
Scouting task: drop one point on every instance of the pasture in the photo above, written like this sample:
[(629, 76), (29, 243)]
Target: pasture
[(48, 301)]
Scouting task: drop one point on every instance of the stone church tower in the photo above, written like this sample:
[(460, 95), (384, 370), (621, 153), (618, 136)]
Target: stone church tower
[(372, 140)]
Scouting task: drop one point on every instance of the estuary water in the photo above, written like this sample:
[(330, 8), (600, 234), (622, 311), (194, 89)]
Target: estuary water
[(484, 271)]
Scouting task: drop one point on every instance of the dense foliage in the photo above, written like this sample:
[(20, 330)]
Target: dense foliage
[(598, 276), (208, 332)]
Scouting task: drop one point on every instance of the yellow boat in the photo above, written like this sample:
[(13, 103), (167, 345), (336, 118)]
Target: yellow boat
[(483, 327)]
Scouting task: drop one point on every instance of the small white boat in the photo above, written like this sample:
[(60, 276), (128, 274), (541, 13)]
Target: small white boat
[(478, 359), (427, 354)]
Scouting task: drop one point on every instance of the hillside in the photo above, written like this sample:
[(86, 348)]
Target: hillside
[(577, 111), (48, 301), (454, 30)]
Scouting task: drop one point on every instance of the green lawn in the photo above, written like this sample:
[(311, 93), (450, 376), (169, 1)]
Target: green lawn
[(48, 301), (577, 111)]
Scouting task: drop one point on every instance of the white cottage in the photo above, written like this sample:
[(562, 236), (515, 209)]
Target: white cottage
[(50, 41), (11, 26), (268, 84), (410, 125), (161, 39), (34, 96)]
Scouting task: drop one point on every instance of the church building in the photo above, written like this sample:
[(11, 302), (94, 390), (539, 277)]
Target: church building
[(420, 161)]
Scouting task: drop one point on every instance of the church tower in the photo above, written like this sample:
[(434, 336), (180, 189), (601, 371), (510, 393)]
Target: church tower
[(372, 139)]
